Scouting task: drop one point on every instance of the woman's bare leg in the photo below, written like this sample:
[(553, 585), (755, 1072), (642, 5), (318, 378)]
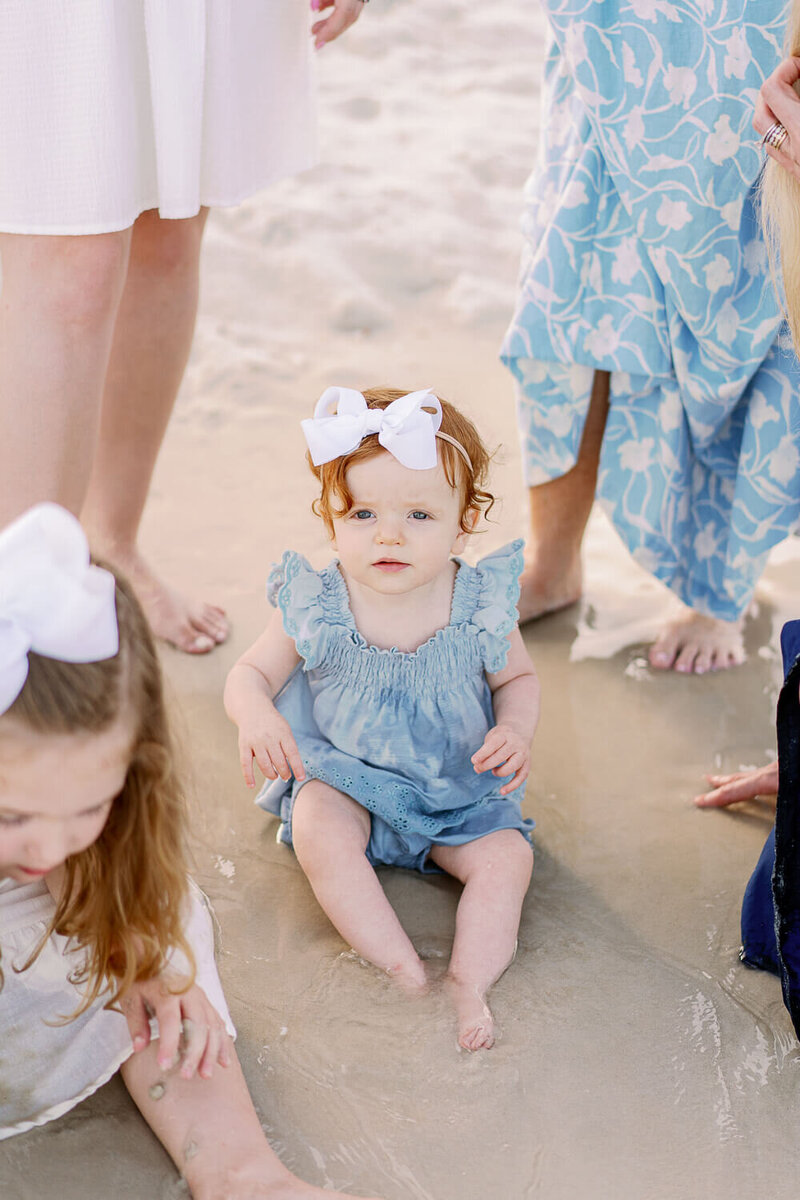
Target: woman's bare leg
[(330, 834), (495, 870), (152, 339), (559, 510), (58, 305), (212, 1133), (553, 578)]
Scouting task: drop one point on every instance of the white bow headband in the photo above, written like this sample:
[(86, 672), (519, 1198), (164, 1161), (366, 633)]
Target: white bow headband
[(342, 420), (52, 599)]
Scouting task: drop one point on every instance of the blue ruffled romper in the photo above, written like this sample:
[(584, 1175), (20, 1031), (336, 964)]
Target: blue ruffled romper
[(395, 730)]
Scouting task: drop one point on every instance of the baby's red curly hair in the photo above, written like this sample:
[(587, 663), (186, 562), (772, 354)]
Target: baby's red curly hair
[(335, 500)]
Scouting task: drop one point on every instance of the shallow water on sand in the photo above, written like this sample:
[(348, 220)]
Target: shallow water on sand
[(638, 1058)]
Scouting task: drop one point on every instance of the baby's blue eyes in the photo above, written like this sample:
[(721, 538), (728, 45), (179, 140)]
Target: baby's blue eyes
[(365, 514), (10, 821)]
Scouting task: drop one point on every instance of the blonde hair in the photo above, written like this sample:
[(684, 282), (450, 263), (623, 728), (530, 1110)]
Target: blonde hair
[(780, 211), (124, 896), (335, 499)]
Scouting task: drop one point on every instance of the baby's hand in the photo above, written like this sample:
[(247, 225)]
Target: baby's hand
[(504, 752), (190, 1030), (271, 743)]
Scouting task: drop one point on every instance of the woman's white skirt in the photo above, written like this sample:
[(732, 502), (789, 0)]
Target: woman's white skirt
[(111, 107), (46, 1068)]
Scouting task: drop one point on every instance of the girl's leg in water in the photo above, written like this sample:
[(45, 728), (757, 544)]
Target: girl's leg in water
[(152, 339), (211, 1131), (553, 577), (330, 834), (495, 870)]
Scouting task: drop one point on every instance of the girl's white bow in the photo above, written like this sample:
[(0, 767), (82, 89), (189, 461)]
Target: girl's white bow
[(52, 599), (404, 428)]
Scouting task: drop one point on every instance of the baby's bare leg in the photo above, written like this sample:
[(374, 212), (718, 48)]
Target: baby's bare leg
[(330, 834), (495, 871), (212, 1132)]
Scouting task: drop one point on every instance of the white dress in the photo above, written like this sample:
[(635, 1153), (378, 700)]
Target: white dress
[(111, 107), (47, 1068)]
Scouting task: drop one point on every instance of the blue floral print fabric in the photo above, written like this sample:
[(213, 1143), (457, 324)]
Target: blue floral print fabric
[(395, 730), (643, 257)]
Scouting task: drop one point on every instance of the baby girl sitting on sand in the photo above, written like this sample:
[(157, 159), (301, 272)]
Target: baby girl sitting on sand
[(392, 693)]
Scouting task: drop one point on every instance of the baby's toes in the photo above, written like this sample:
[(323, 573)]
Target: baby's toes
[(477, 1037)]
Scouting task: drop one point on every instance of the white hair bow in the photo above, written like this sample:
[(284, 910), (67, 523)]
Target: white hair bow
[(404, 428), (52, 599)]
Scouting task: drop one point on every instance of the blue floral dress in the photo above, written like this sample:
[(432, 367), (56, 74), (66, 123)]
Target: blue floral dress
[(644, 258), (395, 730)]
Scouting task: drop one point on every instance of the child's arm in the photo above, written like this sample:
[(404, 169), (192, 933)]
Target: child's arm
[(192, 1034), (515, 697), (263, 733)]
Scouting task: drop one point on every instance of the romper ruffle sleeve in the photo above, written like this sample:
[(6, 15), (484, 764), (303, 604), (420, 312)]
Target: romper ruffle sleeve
[(297, 590), (496, 586), (396, 730)]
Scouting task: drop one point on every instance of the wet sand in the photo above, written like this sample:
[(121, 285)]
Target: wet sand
[(638, 1058)]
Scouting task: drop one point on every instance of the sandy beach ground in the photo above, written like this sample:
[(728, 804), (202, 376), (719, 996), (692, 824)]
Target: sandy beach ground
[(638, 1058)]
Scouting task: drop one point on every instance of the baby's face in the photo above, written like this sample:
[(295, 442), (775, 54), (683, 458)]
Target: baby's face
[(55, 794), (402, 528)]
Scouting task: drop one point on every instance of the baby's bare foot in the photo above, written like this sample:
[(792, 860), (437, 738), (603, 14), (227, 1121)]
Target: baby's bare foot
[(543, 591), (189, 625), (476, 1028), (694, 643)]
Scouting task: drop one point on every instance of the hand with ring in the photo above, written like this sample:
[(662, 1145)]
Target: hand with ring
[(341, 15), (777, 115)]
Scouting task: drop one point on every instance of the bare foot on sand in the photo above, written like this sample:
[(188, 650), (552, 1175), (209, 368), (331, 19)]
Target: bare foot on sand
[(694, 644), (189, 625), (475, 1021), (543, 591)]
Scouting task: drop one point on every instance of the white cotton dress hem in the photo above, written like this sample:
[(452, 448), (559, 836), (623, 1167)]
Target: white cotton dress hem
[(111, 108), (167, 213), (48, 1068)]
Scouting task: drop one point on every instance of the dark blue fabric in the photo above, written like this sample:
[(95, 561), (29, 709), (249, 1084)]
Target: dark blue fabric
[(771, 914), (759, 943)]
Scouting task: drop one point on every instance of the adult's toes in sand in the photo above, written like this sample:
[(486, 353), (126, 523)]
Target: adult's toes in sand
[(190, 625), (695, 644)]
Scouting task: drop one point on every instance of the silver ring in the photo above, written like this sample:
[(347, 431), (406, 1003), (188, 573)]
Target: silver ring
[(775, 136)]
